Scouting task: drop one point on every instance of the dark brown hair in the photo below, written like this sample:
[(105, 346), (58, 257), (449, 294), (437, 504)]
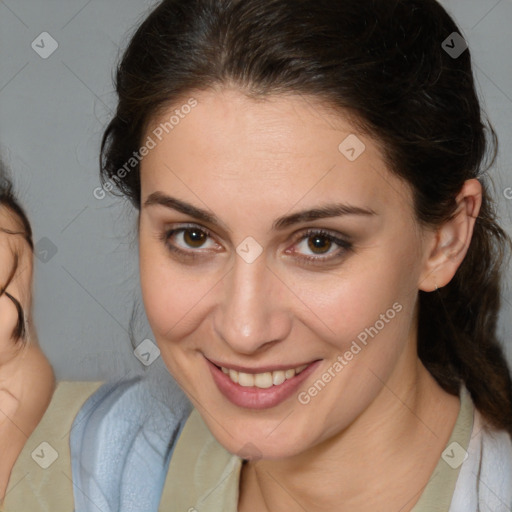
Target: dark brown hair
[(383, 62), (9, 201)]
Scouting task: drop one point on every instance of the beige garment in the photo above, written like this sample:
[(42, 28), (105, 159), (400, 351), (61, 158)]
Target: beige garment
[(41, 478), (438, 493), (204, 477)]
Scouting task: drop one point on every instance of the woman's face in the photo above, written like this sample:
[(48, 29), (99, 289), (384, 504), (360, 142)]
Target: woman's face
[(270, 239)]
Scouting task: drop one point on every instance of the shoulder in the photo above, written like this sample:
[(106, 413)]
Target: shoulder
[(485, 479), (42, 472), (134, 401), (121, 442), (69, 397), (495, 472)]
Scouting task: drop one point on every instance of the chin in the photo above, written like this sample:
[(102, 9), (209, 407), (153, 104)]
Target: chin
[(261, 443)]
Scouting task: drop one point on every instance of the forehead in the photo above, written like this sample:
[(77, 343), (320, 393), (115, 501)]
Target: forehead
[(286, 146), (272, 124)]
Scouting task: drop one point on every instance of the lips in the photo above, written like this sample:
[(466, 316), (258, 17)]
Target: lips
[(259, 388)]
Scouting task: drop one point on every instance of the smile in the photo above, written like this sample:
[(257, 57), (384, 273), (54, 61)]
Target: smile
[(259, 388), (262, 380)]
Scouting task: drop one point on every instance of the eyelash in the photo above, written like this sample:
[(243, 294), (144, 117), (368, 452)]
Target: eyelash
[(344, 245)]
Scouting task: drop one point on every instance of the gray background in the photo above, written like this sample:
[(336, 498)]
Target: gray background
[(52, 114)]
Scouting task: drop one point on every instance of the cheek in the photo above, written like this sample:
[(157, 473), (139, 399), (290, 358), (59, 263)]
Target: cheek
[(172, 297), (342, 305), (157, 291)]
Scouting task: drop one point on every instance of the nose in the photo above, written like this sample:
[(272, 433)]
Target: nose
[(252, 314)]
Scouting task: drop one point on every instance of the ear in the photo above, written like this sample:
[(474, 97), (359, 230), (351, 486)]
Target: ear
[(448, 245)]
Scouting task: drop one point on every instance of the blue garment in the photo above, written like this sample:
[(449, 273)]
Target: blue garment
[(122, 442)]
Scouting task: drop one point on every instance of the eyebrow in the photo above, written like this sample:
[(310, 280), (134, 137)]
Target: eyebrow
[(323, 212)]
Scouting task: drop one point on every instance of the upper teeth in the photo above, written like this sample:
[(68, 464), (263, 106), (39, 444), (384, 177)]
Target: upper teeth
[(262, 380)]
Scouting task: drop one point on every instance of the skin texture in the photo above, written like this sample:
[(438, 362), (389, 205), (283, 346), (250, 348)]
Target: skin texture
[(26, 377), (374, 434)]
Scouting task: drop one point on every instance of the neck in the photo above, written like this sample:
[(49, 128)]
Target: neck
[(386, 455), (26, 387)]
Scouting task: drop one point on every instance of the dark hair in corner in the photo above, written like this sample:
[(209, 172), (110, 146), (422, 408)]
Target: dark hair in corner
[(9, 201), (383, 62)]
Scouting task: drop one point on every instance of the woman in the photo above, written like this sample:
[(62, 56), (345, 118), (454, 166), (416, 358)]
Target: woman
[(320, 265), (35, 413)]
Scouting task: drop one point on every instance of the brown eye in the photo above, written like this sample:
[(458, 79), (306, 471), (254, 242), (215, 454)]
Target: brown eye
[(189, 241), (319, 244), (321, 247), (194, 237)]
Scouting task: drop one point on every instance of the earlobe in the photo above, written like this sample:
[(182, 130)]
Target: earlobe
[(449, 245)]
